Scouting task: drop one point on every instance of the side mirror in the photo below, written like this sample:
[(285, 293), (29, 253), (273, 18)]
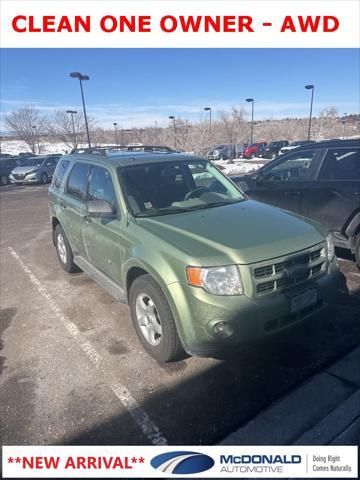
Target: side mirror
[(49, 164), (257, 177), (100, 209)]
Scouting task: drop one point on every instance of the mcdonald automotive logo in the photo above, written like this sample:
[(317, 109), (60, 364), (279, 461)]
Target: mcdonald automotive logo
[(182, 462)]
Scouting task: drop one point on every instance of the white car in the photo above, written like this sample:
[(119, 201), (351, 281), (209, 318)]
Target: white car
[(293, 145)]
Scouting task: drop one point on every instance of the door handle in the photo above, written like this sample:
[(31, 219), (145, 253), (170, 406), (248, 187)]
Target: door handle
[(292, 194), (87, 218)]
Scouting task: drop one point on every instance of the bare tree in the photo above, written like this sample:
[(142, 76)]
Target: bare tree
[(29, 126), (72, 134), (183, 128), (327, 124)]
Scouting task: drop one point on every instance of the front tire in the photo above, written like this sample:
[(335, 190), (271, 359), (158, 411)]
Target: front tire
[(44, 179), (64, 252), (357, 249), (4, 180), (153, 320)]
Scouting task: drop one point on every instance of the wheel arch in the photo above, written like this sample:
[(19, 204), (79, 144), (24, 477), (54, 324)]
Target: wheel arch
[(137, 269), (54, 223), (353, 229)]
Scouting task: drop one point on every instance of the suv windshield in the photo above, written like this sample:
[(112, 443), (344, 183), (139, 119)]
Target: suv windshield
[(31, 162), (175, 187)]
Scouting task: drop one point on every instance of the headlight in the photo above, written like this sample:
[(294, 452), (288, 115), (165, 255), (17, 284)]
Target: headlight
[(32, 172), (330, 249), (216, 280)]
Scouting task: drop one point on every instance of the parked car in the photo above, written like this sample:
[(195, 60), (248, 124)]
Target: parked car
[(6, 165), (320, 181), (202, 267), (254, 150), (273, 148), (293, 145), (27, 154), (38, 169), (225, 152)]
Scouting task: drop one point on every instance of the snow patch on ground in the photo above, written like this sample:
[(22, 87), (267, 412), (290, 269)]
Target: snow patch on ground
[(14, 147), (241, 167)]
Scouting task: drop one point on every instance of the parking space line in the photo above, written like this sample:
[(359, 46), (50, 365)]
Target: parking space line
[(142, 419)]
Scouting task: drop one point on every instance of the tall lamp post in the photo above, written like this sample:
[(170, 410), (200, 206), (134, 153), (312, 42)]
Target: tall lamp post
[(72, 113), (172, 117), (251, 100), (344, 125), (36, 138), (310, 87), (81, 77), (116, 135), (208, 109)]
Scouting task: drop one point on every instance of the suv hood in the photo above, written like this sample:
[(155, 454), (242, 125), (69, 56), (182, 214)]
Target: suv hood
[(24, 170), (243, 233)]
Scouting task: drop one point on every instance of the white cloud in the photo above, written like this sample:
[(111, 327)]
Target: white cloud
[(129, 115)]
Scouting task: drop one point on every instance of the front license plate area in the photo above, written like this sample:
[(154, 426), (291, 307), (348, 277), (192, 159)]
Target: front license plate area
[(303, 300)]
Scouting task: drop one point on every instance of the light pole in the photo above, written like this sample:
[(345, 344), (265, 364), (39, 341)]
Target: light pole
[(251, 100), (116, 136), (208, 109), (81, 77), (36, 138), (171, 117), (129, 131), (310, 87), (344, 125), (72, 113)]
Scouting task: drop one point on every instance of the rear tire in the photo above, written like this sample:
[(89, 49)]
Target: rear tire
[(153, 320), (64, 251)]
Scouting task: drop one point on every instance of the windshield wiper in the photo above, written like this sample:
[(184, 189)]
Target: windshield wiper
[(221, 204), (163, 211)]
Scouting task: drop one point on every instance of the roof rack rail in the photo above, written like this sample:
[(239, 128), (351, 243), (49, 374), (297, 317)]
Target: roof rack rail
[(123, 148)]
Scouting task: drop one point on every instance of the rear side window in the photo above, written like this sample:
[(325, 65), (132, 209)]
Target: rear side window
[(101, 186), (77, 180), (60, 172), (341, 164), (295, 167)]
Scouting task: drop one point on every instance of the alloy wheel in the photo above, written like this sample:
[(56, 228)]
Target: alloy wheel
[(148, 319)]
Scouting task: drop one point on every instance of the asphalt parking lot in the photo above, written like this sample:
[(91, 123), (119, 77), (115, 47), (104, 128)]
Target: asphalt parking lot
[(73, 372)]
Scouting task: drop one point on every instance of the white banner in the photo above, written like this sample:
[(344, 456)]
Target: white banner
[(180, 461), (173, 24)]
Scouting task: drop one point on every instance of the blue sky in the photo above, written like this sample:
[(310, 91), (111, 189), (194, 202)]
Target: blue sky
[(140, 86)]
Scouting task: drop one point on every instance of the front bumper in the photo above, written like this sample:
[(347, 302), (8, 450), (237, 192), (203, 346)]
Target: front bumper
[(248, 319), (28, 179), (269, 155)]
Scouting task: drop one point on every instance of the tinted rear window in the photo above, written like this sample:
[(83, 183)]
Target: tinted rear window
[(77, 180), (341, 164), (60, 172)]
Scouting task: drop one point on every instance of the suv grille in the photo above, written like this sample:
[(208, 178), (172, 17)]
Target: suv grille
[(276, 276)]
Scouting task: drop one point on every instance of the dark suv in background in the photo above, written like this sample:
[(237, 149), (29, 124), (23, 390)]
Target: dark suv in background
[(273, 148), (320, 181)]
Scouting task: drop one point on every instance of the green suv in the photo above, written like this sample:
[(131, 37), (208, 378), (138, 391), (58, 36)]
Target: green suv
[(202, 267)]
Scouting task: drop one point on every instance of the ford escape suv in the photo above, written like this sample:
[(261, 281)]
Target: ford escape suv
[(202, 267)]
